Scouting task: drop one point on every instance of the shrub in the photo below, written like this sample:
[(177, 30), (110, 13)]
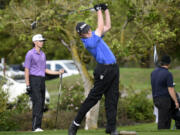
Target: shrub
[(5, 122), (64, 119), (3, 100), (133, 108), (139, 107), (23, 121), (12, 119), (72, 97), (21, 104)]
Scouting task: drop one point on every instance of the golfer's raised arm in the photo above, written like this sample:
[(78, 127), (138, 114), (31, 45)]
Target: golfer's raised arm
[(100, 23), (107, 25)]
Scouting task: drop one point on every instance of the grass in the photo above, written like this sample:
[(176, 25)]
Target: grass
[(139, 78), (141, 129)]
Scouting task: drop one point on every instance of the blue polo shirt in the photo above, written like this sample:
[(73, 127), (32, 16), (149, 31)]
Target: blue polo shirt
[(99, 49), (161, 79)]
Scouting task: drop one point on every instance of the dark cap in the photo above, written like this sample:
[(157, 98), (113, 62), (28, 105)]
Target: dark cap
[(165, 60), (82, 28)]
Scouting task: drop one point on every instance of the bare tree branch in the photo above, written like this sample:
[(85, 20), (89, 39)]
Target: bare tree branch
[(65, 44)]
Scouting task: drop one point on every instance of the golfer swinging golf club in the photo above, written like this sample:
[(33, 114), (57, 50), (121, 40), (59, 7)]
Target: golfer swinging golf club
[(106, 73), (35, 69)]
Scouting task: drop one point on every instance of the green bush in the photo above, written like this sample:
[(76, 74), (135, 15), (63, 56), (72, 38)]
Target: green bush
[(64, 119), (71, 98), (133, 108), (9, 116), (5, 114), (3, 100), (23, 121), (139, 107), (6, 123), (21, 104)]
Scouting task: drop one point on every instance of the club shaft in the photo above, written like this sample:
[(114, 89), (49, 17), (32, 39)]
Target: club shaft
[(33, 25), (86, 9), (59, 93), (72, 12)]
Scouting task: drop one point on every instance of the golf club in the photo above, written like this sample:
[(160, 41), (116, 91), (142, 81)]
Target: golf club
[(155, 56), (34, 24), (59, 93)]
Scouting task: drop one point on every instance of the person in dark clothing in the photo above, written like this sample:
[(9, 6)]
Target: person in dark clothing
[(164, 95), (106, 73)]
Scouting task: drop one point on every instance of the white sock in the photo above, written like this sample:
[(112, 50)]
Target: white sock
[(76, 124)]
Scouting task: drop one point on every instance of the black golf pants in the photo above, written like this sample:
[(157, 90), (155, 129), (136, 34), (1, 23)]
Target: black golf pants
[(37, 85), (164, 112), (106, 82)]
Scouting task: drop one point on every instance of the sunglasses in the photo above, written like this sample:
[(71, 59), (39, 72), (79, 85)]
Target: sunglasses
[(41, 41)]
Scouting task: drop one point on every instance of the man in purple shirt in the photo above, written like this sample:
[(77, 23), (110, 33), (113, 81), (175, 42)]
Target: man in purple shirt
[(35, 69)]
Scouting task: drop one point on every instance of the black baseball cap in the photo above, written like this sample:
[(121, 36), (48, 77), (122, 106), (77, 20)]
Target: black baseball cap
[(166, 59), (82, 28)]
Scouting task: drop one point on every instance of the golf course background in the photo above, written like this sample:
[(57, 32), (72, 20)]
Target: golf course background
[(135, 106)]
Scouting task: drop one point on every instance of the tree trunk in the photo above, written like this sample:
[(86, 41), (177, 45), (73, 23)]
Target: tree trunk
[(92, 115)]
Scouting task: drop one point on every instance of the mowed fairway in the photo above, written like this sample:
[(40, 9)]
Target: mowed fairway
[(141, 129), (139, 78)]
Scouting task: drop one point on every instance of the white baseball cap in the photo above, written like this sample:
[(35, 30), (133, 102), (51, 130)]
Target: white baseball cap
[(38, 37)]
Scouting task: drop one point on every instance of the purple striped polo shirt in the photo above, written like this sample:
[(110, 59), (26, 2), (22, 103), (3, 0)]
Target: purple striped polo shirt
[(35, 62)]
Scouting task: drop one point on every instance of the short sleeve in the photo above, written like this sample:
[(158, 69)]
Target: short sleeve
[(170, 80), (27, 62), (45, 61), (92, 41)]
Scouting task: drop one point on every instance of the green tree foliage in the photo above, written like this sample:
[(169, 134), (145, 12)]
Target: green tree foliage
[(146, 22), (4, 3), (136, 26), (16, 30)]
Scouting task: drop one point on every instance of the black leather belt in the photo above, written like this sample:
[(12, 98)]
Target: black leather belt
[(113, 64), (110, 64)]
